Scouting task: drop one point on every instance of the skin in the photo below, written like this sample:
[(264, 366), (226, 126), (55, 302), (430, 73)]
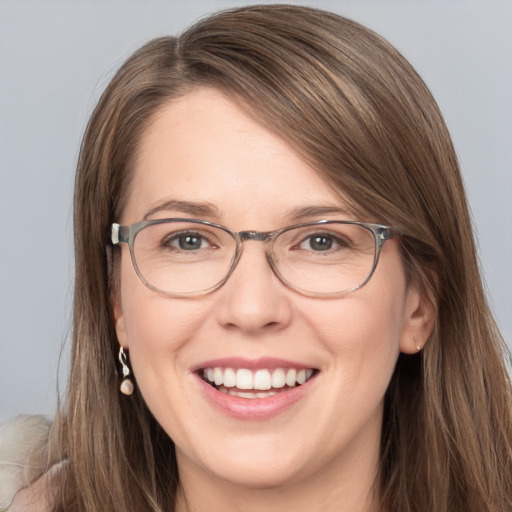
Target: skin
[(321, 453)]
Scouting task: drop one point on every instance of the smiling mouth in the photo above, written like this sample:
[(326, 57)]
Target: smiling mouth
[(260, 383)]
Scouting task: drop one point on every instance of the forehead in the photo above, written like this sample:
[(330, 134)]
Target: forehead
[(202, 148)]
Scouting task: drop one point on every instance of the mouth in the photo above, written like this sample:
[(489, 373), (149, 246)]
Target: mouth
[(255, 383)]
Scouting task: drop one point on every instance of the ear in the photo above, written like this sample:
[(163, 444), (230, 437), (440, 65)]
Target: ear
[(419, 319), (119, 320)]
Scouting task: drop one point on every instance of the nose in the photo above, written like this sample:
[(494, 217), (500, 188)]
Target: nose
[(254, 300)]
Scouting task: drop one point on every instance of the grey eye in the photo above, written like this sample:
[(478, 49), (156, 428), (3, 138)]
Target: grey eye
[(320, 242), (189, 242)]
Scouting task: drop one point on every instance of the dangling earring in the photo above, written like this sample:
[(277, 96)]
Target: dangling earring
[(126, 386)]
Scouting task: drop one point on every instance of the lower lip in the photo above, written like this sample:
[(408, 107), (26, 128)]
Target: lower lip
[(251, 409)]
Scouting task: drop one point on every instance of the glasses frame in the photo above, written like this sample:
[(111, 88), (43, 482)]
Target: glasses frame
[(127, 233)]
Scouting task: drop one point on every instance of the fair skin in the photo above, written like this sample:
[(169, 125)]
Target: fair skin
[(319, 451)]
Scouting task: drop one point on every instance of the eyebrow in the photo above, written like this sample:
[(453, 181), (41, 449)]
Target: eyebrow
[(188, 207), (205, 209), (302, 212)]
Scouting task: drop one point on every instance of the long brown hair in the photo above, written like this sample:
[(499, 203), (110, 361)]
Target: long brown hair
[(354, 109)]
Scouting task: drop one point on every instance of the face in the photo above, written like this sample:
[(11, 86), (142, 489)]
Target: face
[(203, 151)]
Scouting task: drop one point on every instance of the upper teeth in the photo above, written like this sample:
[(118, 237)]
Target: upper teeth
[(263, 379)]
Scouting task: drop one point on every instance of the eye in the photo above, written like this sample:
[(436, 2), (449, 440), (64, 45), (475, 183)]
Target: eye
[(187, 241), (319, 242), (323, 242)]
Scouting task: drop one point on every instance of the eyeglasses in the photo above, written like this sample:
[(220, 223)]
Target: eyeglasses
[(190, 257)]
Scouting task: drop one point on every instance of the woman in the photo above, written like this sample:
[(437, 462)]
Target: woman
[(348, 362)]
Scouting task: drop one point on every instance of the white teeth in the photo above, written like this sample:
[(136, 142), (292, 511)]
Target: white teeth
[(291, 377), (264, 394), (278, 378), (229, 378), (244, 379), (247, 394), (261, 380), (217, 373), (241, 393), (301, 376)]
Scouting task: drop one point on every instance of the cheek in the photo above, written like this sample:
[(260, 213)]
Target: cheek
[(160, 332), (155, 327), (360, 324), (158, 328), (362, 333)]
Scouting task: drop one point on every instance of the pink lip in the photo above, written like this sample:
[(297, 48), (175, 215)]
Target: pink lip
[(270, 363)]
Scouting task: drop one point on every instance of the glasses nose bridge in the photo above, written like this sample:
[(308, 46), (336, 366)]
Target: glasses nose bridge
[(267, 237), (256, 236), (260, 236)]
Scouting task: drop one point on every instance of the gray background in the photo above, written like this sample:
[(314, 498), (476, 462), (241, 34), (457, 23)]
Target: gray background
[(56, 58)]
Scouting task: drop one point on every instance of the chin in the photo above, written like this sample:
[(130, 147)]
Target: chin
[(255, 463), (259, 474)]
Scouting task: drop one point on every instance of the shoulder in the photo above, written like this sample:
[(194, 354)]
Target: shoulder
[(36, 497), (23, 443)]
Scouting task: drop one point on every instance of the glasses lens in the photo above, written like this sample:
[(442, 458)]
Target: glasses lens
[(183, 257), (326, 258)]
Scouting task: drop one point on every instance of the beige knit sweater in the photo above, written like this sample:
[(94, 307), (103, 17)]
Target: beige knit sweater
[(23, 444)]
